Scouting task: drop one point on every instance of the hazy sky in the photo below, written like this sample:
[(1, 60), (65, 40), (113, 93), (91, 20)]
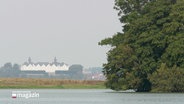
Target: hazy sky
[(67, 29)]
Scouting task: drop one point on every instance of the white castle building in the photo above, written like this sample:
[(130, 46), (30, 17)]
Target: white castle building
[(44, 66)]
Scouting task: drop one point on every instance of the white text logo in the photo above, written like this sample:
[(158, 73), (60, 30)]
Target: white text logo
[(25, 94)]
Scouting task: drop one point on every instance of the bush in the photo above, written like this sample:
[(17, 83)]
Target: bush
[(167, 79)]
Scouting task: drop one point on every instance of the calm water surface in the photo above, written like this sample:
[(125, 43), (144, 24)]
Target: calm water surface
[(88, 96)]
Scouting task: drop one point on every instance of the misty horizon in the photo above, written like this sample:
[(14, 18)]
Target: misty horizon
[(68, 30)]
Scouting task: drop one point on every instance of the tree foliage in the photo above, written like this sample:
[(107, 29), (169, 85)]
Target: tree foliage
[(9, 70), (153, 33), (75, 71), (167, 79)]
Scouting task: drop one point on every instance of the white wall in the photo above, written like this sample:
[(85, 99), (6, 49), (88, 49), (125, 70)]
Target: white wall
[(49, 68)]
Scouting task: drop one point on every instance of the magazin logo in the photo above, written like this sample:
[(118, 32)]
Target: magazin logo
[(25, 94)]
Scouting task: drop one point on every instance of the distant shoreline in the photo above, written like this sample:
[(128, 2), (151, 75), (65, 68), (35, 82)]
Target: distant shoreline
[(31, 83)]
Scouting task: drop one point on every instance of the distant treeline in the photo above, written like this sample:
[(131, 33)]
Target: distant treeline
[(10, 70)]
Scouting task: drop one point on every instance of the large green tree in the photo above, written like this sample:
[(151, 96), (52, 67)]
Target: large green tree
[(153, 33)]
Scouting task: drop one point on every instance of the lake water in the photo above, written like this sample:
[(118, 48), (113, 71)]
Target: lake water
[(91, 96)]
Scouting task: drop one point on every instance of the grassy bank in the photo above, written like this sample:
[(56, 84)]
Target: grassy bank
[(27, 83)]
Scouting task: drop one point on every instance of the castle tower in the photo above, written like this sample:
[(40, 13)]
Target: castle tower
[(55, 60), (29, 60)]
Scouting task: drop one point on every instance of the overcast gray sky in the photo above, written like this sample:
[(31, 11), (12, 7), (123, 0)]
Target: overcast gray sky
[(67, 29)]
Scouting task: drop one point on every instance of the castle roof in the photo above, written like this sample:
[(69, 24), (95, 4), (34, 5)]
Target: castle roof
[(44, 63)]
